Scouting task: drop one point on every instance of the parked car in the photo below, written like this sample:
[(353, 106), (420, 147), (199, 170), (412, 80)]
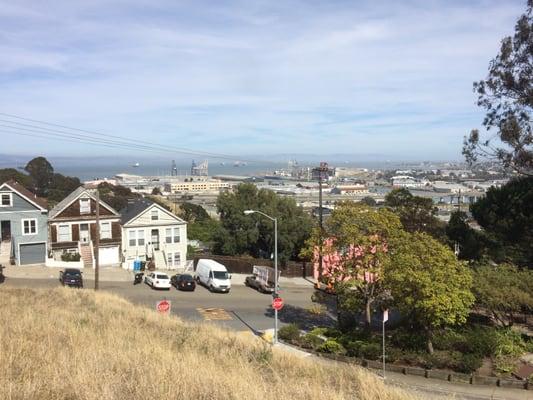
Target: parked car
[(71, 277), (213, 275), (262, 279), (183, 282), (157, 280)]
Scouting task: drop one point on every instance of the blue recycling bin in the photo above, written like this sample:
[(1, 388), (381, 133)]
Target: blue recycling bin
[(137, 265)]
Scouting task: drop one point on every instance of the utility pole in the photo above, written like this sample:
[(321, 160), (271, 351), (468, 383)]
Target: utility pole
[(323, 168), (97, 243)]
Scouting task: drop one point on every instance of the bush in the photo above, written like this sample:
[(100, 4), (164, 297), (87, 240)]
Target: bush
[(290, 333), (311, 341), (442, 359), (371, 351), (327, 332), (470, 363), (69, 257), (407, 340), (353, 348), (332, 346), (504, 364)]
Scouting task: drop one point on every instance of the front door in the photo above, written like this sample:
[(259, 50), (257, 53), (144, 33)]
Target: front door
[(155, 239), (84, 233), (5, 230)]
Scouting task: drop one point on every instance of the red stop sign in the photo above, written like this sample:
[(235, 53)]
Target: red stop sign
[(163, 306), (277, 303)]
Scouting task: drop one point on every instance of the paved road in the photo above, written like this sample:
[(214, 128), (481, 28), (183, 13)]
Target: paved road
[(241, 309)]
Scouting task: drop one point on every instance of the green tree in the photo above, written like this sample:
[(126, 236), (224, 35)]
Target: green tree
[(503, 290), (369, 201), (193, 212), (8, 174), (116, 196), (428, 284), (61, 186), (254, 234), (506, 215), (471, 243), (418, 214), (358, 243), (41, 173), (506, 97), (156, 191)]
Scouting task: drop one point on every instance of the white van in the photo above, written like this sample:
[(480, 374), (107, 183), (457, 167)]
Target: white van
[(213, 275)]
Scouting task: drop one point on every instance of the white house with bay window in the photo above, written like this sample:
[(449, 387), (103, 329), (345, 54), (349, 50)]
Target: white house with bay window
[(150, 232)]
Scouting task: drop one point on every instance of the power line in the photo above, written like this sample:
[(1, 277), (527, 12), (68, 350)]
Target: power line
[(122, 140)]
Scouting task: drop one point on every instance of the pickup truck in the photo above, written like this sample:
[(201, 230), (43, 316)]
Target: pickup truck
[(262, 279)]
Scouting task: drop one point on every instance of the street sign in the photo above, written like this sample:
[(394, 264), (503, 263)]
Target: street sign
[(163, 306), (277, 303), (385, 316)]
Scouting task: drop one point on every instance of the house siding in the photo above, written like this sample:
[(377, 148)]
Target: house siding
[(22, 209), (144, 223), (73, 211)]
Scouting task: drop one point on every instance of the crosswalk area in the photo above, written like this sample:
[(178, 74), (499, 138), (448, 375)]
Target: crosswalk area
[(214, 314)]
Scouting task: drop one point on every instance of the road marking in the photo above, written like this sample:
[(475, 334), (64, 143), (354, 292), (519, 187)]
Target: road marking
[(214, 314)]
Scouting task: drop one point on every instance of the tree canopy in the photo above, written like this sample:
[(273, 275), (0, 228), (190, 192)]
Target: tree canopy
[(418, 214), (506, 215), (357, 243), (503, 290), (8, 174), (506, 97), (428, 284), (41, 173), (254, 234), (472, 244)]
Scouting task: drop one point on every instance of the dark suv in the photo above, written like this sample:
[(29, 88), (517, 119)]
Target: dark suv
[(71, 277)]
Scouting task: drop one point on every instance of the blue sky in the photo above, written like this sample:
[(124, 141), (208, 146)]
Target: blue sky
[(252, 77)]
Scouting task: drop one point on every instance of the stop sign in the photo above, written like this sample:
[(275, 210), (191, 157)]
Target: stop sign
[(163, 306), (277, 303)]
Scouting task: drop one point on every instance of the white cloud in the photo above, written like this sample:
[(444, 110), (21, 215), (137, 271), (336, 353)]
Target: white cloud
[(270, 72)]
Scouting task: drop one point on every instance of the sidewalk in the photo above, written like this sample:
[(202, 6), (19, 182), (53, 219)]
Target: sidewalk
[(107, 274), (435, 387)]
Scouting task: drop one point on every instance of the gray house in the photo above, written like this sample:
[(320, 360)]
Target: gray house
[(23, 225)]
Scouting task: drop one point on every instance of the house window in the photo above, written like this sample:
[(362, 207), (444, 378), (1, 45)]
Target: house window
[(140, 238), (63, 233), (155, 215), (29, 226), (105, 230), (177, 259), (169, 259), (6, 200), (85, 206), (172, 235), (132, 238)]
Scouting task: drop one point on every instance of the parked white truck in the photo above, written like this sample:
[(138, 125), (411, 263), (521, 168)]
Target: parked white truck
[(213, 275)]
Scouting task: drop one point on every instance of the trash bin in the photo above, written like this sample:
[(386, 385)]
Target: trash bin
[(137, 265), (143, 265)]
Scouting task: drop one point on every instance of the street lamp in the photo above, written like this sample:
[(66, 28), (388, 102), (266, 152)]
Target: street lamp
[(275, 294)]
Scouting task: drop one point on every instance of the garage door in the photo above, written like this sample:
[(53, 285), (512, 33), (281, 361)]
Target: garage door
[(108, 255), (34, 253)]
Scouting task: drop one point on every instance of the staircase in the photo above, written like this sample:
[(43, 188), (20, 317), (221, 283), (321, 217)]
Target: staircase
[(159, 259), (86, 255)]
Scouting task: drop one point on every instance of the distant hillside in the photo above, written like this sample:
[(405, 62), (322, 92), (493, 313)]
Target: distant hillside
[(75, 344)]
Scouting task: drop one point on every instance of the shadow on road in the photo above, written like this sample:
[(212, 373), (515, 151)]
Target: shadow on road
[(301, 316)]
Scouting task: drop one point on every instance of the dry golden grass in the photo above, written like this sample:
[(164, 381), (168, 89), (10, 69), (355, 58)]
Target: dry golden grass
[(75, 344)]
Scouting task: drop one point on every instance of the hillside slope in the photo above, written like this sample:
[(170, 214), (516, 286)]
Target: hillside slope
[(75, 344)]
